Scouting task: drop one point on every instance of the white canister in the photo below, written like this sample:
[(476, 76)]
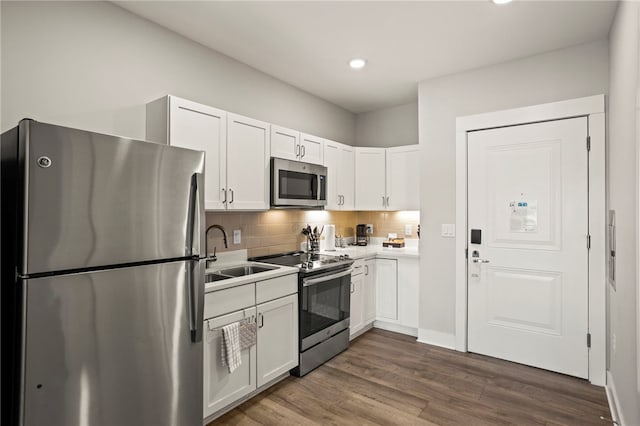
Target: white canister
[(330, 237)]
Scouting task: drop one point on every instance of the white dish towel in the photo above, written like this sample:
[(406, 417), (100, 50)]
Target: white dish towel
[(230, 347)]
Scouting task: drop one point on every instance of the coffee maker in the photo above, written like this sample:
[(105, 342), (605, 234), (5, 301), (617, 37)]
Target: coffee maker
[(362, 238)]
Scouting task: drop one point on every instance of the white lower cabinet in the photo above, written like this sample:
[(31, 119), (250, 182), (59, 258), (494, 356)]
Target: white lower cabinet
[(386, 289), (370, 291), (397, 291), (221, 388), (277, 338), (363, 296), (276, 348), (356, 314)]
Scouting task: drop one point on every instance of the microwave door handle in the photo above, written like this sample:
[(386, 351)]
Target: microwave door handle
[(318, 280)]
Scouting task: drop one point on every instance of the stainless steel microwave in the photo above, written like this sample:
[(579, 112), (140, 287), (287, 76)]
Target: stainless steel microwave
[(297, 184)]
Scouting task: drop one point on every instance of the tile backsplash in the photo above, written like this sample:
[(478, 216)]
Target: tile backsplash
[(276, 231)]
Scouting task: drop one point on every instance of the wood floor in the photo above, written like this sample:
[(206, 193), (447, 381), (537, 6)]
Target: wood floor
[(388, 379)]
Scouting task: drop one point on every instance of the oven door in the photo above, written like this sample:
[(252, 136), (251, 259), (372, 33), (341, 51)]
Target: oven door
[(294, 183), (324, 306)]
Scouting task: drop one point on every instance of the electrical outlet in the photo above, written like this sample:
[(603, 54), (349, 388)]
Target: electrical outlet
[(237, 236), (370, 228), (408, 230)]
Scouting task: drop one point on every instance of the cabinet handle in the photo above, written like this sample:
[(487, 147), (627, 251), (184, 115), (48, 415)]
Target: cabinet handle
[(383, 204), (366, 269), (261, 319), (303, 151), (297, 151), (352, 288), (231, 191), (224, 191), (387, 201)]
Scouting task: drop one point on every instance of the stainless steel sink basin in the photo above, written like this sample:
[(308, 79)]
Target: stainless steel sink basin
[(208, 278), (241, 271)]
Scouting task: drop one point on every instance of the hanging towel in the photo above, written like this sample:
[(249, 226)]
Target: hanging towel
[(248, 334), (230, 348)]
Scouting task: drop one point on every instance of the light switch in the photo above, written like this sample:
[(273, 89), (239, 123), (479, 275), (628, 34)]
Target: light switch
[(448, 230), (407, 230), (237, 236)]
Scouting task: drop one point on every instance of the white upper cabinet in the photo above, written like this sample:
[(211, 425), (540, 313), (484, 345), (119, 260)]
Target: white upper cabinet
[(187, 124), (370, 179), (285, 143), (311, 149), (403, 178), (332, 163), (388, 178), (236, 150), (339, 159), (247, 163), (293, 145)]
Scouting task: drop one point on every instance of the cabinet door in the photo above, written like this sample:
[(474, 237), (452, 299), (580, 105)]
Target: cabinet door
[(222, 388), (408, 285), (403, 178), (356, 314), (387, 289), (370, 179), (285, 143), (311, 149), (199, 127), (277, 338), (247, 164), (346, 177), (369, 291), (332, 163)]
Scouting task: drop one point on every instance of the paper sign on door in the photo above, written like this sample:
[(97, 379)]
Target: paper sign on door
[(524, 216)]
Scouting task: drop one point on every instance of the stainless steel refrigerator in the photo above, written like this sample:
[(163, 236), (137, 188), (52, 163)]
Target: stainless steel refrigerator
[(102, 285)]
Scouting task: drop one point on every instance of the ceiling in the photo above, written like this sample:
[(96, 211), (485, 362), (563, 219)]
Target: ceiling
[(309, 43)]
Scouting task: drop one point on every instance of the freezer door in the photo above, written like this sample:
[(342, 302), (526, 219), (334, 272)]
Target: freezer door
[(112, 348), (96, 200)]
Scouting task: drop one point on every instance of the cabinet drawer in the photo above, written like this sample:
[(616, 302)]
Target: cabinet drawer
[(229, 300), (276, 287)]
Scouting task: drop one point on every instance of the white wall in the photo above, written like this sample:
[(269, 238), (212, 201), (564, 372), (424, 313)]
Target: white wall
[(394, 126), (623, 198), (94, 65), (559, 75)]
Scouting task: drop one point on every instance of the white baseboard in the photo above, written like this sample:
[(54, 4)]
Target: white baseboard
[(612, 397), (437, 338), (396, 328)]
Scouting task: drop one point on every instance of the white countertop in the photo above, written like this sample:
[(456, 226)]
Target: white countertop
[(239, 258), (374, 248)]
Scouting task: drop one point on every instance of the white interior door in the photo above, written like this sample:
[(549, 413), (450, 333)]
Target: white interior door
[(527, 194)]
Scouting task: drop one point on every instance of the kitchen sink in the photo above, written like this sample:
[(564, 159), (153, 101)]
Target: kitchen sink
[(208, 278), (241, 271)]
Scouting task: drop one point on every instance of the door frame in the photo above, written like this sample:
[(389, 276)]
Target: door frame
[(592, 107)]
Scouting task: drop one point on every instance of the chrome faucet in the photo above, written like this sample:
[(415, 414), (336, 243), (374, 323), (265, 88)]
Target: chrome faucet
[(212, 257)]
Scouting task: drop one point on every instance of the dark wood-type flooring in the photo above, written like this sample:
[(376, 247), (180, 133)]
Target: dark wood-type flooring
[(387, 378)]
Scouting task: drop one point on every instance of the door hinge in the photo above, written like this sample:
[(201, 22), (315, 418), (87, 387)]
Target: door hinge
[(588, 143), (588, 340), (588, 242)]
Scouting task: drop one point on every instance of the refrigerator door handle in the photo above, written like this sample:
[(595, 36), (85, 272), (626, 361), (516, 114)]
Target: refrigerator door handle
[(195, 283), (196, 217)]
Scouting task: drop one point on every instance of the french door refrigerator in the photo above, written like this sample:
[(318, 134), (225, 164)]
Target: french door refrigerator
[(102, 279)]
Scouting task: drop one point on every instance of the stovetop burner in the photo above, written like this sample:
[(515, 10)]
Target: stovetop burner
[(306, 262)]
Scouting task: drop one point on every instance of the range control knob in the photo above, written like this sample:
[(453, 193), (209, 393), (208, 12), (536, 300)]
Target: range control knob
[(344, 257), (309, 265)]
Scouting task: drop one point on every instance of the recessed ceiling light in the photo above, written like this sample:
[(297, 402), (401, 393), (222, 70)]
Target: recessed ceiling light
[(501, 1), (357, 63)]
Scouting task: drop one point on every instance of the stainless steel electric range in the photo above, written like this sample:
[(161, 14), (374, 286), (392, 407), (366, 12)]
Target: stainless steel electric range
[(324, 297)]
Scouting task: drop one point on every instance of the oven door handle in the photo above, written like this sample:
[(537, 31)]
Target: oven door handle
[(323, 278)]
